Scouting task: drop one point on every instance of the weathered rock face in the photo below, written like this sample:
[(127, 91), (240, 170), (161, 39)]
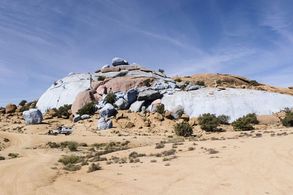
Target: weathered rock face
[(232, 102), (33, 116), (136, 106), (64, 91), (10, 108), (121, 104), (149, 95)]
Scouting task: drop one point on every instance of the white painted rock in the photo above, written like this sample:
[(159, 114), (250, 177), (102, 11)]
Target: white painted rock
[(63, 91), (232, 102)]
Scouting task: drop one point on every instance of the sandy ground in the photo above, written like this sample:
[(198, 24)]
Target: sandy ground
[(243, 165)]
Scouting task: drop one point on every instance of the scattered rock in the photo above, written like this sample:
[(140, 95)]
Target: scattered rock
[(108, 110), (10, 108), (33, 116), (136, 106), (85, 116), (119, 61), (76, 118), (149, 95), (103, 124), (168, 115), (121, 104)]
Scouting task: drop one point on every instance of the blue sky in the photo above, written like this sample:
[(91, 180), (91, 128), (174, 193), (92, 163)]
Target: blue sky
[(43, 40)]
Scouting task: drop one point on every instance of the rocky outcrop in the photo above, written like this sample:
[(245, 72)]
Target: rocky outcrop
[(82, 99), (119, 61), (33, 116), (149, 95), (108, 110)]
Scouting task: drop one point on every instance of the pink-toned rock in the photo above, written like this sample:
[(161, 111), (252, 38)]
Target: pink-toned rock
[(121, 84), (10, 108), (81, 100), (111, 69)]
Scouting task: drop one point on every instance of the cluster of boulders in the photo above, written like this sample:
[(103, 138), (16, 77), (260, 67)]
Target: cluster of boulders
[(13, 108)]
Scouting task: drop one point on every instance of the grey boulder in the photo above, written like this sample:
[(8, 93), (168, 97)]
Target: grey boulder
[(103, 124), (149, 95), (136, 106), (121, 104), (191, 87), (131, 95), (85, 116), (119, 61), (108, 110), (33, 116), (177, 112)]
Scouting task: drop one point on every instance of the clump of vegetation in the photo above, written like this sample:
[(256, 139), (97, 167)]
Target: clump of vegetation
[(72, 167), (94, 167), (245, 123), (161, 108), (201, 83), (208, 122), (71, 145), (178, 79), (2, 158), (106, 148), (110, 98), (63, 111), (287, 121), (223, 119), (53, 145), (254, 83), (183, 129), (71, 159), (89, 108), (13, 155), (101, 78), (147, 82), (159, 145)]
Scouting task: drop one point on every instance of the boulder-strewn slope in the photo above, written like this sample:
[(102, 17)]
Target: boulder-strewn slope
[(136, 88)]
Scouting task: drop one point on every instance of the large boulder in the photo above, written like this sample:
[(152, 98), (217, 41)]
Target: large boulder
[(10, 108), (104, 124), (108, 110), (64, 91), (149, 95), (119, 61), (232, 102), (33, 116)]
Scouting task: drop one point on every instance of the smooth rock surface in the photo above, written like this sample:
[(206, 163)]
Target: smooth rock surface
[(136, 106), (108, 110), (232, 102), (104, 124), (149, 95)]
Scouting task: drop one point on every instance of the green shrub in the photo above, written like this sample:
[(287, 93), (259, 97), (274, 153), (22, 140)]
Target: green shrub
[(71, 145), (110, 98), (183, 129), (94, 167), (161, 71), (288, 120), (223, 119), (201, 83), (64, 111), (72, 159), (161, 108), (89, 108), (178, 79), (101, 78), (13, 155), (245, 123), (254, 83), (2, 158), (72, 167), (208, 122)]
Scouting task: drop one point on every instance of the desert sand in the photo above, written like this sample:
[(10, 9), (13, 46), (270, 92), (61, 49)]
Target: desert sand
[(255, 162)]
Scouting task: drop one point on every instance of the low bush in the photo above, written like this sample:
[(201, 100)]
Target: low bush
[(13, 155), (72, 159), (110, 98), (178, 79), (147, 82), (22, 103), (2, 158), (63, 111), (223, 119), (89, 108), (183, 129), (287, 121), (201, 83), (161, 108), (208, 122), (71, 145), (72, 167), (101, 78), (245, 123)]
